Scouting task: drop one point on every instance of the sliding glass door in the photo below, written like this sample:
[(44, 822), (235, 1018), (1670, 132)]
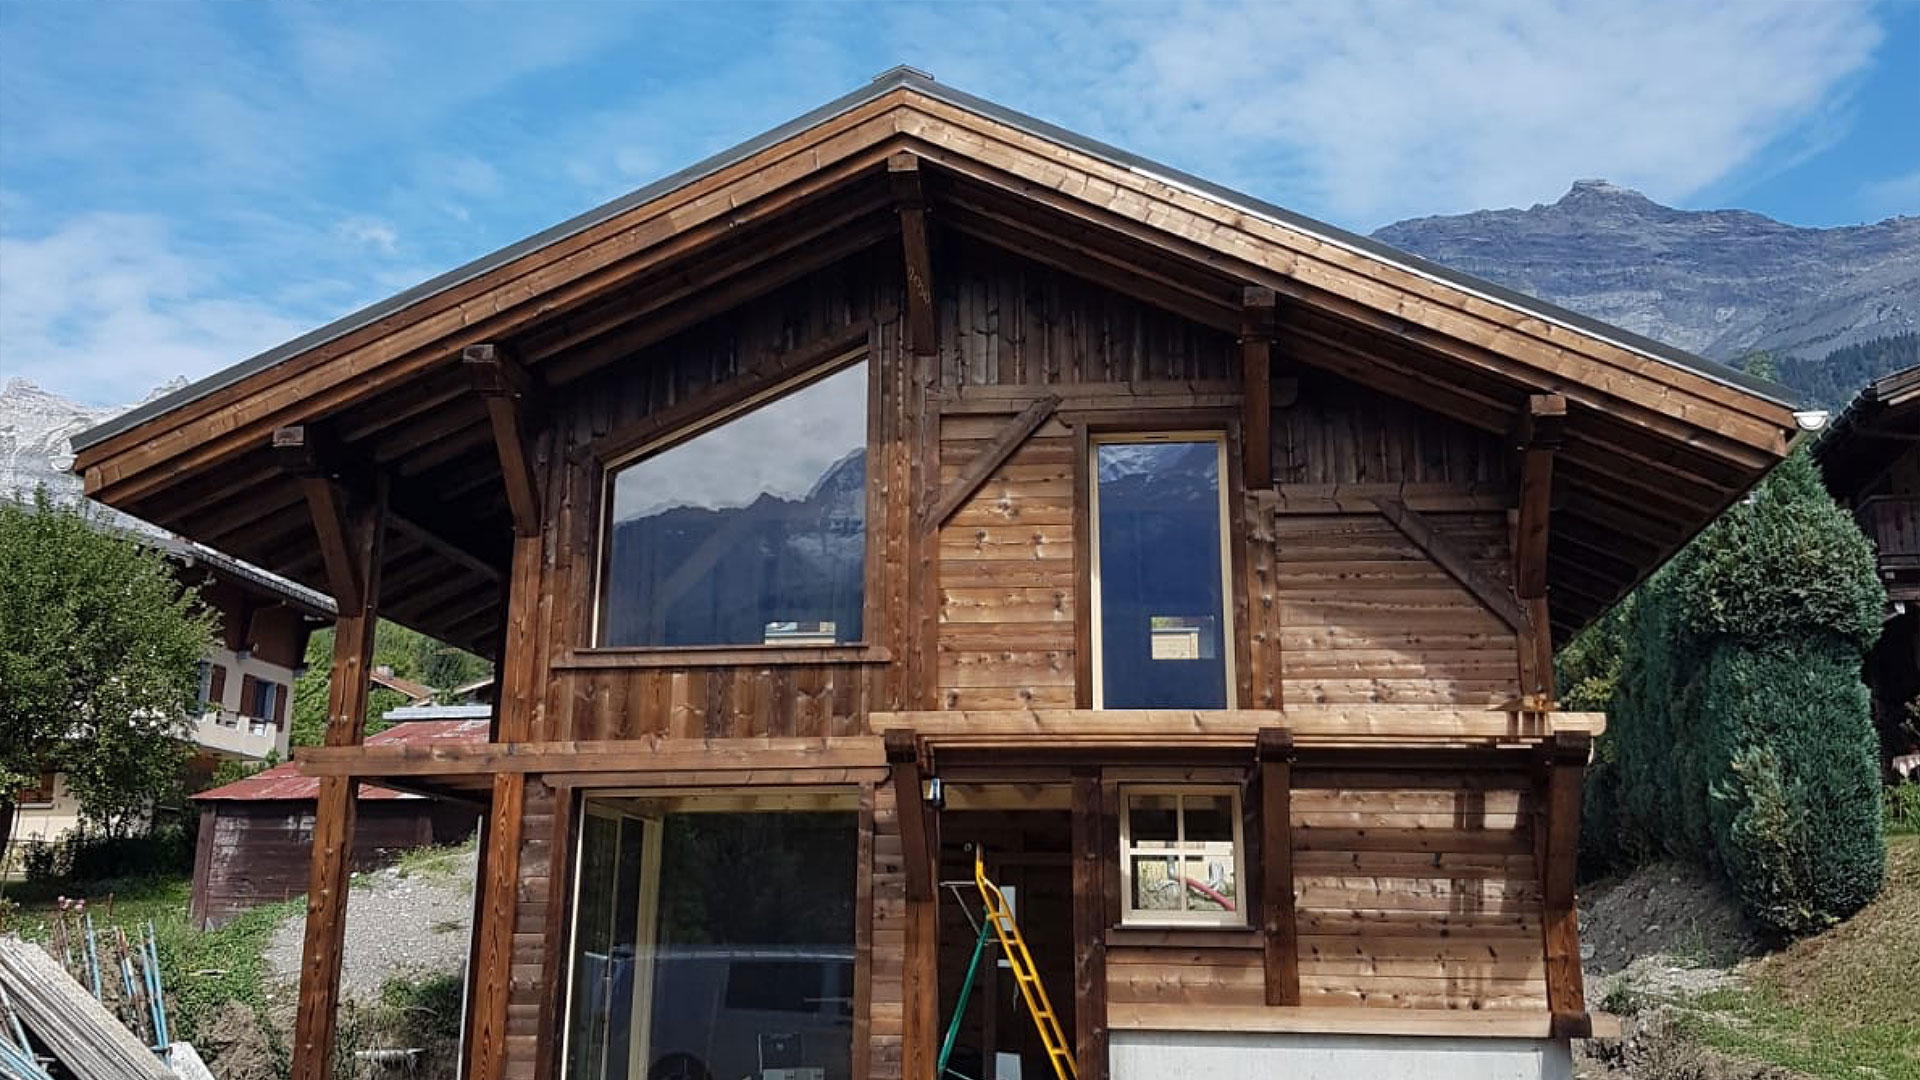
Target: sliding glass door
[(1162, 632), (714, 938)]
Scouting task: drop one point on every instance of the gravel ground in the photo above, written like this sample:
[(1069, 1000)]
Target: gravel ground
[(398, 923)]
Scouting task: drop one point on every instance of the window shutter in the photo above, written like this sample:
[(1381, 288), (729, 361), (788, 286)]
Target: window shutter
[(249, 696), (279, 706), (217, 688)]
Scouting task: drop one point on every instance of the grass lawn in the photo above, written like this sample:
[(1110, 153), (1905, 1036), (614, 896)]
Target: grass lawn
[(1843, 1004), (202, 970)]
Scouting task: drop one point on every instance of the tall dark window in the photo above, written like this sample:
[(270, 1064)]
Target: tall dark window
[(1163, 639), (752, 532), (685, 966)]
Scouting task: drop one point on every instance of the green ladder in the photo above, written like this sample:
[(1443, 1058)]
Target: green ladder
[(1000, 923)]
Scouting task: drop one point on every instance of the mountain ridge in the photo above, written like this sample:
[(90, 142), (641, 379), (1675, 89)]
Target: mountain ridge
[(1720, 283)]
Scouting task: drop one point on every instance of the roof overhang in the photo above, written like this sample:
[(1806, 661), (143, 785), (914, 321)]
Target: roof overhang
[(1658, 441)]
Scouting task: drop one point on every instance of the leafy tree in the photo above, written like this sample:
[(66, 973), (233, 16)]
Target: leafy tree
[(411, 655), (1741, 733), (99, 647)]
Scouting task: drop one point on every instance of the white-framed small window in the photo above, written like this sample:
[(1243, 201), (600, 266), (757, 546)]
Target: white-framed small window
[(1180, 856)]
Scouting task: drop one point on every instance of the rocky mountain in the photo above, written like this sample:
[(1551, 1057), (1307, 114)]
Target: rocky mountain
[(35, 427), (1721, 283)]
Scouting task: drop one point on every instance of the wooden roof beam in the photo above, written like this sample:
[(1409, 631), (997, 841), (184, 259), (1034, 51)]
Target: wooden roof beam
[(910, 203), (717, 299), (512, 397), (1540, 432)]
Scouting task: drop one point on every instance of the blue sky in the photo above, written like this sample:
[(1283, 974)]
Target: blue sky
[(185, 184)]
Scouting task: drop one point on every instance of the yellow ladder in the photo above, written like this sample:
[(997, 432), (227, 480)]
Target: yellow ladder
[(1014, 947)]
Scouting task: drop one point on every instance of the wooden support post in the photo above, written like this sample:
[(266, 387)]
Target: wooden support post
[(903, 756), (498, 910), (493, 967), (510, 396), (903, 172), (1541, 431), (1092, 850), (919, 854), (361, 531), (1256, 375), (1563, 761), (1279, 931)]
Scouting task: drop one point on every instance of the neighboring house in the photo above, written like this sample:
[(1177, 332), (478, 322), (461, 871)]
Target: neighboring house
[(256, 834), (1871, 459), (1209, 557), (246, 680)]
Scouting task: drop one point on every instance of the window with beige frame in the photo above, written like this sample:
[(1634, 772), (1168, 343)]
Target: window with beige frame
[(1181, 856)]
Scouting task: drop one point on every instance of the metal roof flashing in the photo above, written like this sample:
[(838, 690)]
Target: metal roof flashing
[(906, 78)]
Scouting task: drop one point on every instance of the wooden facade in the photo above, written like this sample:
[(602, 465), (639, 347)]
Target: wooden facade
[(1871, 461), (1426, 483)]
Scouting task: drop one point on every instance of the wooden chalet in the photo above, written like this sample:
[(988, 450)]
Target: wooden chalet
[(1870, 458), (919, 480)]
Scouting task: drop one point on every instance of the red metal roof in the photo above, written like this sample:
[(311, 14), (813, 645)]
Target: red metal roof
[(287, 782)]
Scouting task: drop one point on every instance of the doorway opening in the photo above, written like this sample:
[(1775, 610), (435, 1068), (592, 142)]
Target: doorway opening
[(1029, 854)]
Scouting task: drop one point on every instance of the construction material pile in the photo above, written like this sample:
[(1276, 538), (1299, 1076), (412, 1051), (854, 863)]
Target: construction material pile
[(87, 1005)]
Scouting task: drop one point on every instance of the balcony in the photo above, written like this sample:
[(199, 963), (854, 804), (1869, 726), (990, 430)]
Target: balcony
[(229, 732), (1892, 522)]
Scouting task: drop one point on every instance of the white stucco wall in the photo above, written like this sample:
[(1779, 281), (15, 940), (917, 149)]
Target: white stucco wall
[(1162, 1055)]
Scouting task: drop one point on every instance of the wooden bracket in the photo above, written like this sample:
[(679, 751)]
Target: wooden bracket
[(1539, 433), (300, 451), (1457, 563), (1279, 930), (1257, 309), (990, 459), (916, 847), (909, 192), (511, 396)]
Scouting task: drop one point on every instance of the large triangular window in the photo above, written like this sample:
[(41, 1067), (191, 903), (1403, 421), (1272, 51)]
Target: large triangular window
[(750, 531)]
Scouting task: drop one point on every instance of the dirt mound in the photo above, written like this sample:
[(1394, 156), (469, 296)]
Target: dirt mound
[(237, 1046), (1665, 909)]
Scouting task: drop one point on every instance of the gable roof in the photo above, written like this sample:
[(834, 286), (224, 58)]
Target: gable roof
[(1876, 428), (906, 78), (1662, 440)]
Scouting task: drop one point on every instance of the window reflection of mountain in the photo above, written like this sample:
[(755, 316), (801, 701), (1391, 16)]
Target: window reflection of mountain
[(697, 576)]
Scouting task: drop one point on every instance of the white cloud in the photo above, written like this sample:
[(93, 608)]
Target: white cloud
[(372, 232), (1368, 111), (107, 307)]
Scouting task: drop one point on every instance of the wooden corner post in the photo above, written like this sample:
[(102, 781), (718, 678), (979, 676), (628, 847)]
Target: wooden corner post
[(1562, 763), (352, 534), (1538, 434), (1279, 931)]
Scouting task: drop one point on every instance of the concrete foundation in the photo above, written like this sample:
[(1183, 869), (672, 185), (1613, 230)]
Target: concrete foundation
[(1167, 1055)]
